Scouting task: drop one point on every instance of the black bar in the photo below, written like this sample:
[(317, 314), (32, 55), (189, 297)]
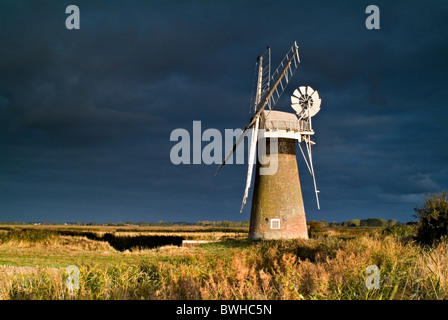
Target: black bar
[(206, 309)]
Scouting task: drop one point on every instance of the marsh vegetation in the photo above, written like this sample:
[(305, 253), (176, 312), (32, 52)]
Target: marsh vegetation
[(331, 265)]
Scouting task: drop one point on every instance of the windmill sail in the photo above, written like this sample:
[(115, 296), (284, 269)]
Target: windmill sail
[(262, 86), (291, 60), (251, 163), (306, 102), (235, 145), (282, 76), (262, 79), (309, 164)]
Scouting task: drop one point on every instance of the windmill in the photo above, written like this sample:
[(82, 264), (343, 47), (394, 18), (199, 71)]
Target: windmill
[(277, 205)]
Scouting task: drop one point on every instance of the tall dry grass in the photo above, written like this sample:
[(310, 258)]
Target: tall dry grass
[(331, 269), (322, 268)]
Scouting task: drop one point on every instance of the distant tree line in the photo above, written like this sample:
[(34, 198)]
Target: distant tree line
[(225, 223), (204, 223), (370, 222)]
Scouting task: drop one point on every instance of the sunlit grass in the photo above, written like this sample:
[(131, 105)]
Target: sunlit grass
[(331, 265)]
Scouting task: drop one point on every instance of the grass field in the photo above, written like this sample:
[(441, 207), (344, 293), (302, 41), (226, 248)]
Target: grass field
[(331, 265)]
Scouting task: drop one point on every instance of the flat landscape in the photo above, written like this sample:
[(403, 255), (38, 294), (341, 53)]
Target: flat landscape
[(135, 262)]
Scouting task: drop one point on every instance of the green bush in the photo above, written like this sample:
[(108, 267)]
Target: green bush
[(315, 227), (30, 235), (403, 231), (433, 218), (392, 222), (373, 222), (352, 223)]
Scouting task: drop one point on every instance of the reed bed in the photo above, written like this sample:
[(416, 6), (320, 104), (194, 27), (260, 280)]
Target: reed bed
[(325, 267)]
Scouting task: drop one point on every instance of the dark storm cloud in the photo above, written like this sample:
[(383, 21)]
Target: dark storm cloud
[(86, 115)]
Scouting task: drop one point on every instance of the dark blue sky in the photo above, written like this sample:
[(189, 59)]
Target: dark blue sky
[(86, 115)]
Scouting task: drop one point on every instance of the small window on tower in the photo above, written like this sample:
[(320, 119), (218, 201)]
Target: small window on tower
[(275, 223)]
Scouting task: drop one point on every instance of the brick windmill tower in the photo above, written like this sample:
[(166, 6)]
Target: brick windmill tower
[(277, 204)]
